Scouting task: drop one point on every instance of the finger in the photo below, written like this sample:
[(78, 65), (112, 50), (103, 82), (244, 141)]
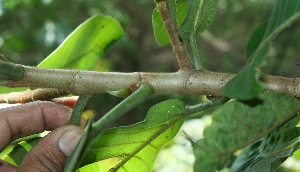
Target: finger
[(50, 154), (31, 118)]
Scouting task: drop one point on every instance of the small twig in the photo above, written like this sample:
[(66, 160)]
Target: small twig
[(172, 28), (32, 95)]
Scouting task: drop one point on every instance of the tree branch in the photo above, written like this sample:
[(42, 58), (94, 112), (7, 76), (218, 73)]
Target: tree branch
[(172, 28), (80, 82)]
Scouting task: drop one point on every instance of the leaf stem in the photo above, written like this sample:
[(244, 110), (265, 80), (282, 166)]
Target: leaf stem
[(136, 98), (205, 106)]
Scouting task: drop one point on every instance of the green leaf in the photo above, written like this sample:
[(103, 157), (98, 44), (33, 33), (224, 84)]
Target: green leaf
[(200, 15), (255, 39), (137, 146), (246, 85), (268, 153), (15, 157), (160, 31), (235, 125), (83, 47)]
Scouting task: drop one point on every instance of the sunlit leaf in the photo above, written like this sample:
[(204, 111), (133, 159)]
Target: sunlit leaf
[(268, 153), (236, 125), (137, 146), (83, 47), (160, 32), (246, 85)]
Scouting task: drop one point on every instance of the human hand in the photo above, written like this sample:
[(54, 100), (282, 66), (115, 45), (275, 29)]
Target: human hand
[(52, 151)]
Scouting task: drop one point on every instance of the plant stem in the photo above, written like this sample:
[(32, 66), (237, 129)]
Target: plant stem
[(183, 82), (136, 98), (171, 25)]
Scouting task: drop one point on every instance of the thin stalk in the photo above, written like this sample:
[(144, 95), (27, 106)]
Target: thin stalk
[(136, 98), (205, 106), (170, 21)]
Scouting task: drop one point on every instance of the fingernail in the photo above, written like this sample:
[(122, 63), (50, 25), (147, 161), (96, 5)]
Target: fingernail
[(68, 142)]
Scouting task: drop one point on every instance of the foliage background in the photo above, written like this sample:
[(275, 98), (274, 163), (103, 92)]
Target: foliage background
[(30, 30)]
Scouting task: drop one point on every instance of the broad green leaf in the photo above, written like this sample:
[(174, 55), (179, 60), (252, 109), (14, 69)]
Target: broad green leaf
[(268, 153), (160, 32), (236, 125), (256, 39), (246, 85), (199, 16), (83, 47), (137, 146)]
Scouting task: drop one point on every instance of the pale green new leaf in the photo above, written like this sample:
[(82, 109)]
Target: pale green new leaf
[(268, 153), (83, 47), (246, 85), (137, 146), (236, 125)]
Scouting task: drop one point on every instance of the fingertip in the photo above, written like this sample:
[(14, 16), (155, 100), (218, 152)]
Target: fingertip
[(68, 142)]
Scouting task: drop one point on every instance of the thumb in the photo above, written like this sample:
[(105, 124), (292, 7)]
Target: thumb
[(51, 152)]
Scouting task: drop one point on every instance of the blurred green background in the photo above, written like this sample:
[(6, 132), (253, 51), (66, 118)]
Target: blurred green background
[(31, 29)]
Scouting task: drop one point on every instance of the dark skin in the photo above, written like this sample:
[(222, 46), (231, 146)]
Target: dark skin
[(51, 152)]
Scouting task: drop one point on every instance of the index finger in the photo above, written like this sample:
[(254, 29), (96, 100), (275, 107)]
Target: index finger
[(31, 118)]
